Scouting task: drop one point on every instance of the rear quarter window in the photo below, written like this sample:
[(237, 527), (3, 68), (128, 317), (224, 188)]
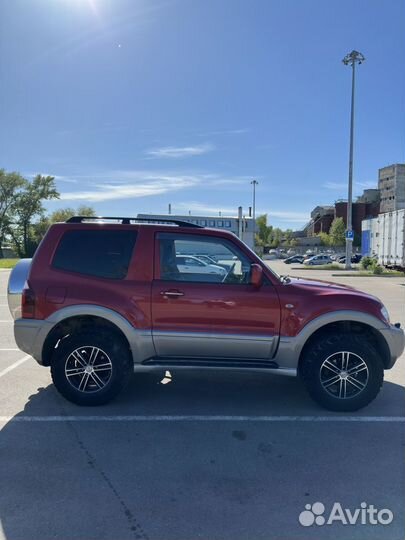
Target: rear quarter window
[(97, 253)]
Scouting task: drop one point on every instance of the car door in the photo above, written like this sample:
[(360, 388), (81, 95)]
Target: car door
[(210, 315)]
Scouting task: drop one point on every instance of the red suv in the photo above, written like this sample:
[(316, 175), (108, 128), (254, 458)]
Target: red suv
[(104, 297)]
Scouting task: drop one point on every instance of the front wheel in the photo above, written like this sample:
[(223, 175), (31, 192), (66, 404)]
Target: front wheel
[(342, 372), (91, 367)]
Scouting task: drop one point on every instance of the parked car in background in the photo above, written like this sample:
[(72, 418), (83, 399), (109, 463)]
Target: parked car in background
[(295, 259), (210, 260), (190, 264), (356, 258), (318, 260), (206, 258)]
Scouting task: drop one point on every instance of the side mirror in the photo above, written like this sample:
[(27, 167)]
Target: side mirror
[(256, 275)]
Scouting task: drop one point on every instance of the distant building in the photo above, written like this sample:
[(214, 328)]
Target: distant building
[(243, 230), (370, 196), (365, 207), (391, 183), (321, 220), (388, 197)]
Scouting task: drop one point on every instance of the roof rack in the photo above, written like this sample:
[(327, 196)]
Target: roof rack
[(127, 220)]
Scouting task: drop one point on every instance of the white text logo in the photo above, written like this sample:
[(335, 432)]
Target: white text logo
[(367, 514)]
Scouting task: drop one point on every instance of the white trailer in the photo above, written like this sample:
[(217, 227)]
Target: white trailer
[(370, 237), (397, 257), (384, 237)]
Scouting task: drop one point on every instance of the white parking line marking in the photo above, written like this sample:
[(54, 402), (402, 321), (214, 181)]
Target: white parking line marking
[(15, 365), (9, 350), (201, 418)]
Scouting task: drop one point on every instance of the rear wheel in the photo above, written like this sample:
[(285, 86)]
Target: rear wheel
[(91, 368), (342, 372)]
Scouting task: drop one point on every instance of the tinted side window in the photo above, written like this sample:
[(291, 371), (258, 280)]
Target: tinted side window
[(97, 253)]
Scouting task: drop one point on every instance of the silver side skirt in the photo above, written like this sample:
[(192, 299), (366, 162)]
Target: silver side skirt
[(146, 368)]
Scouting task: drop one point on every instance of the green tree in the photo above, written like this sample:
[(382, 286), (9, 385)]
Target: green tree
[(263, 231), (288, 236), (27, 206), (293, 242), (11, 185), (276, 237), (337, 232), (63, 214), (325, 239), (268, 236)]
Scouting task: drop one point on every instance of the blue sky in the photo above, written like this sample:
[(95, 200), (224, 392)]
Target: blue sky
[(132, 104)]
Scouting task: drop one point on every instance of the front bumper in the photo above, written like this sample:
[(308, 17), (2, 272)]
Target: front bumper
[(395, 338), (30, 334)]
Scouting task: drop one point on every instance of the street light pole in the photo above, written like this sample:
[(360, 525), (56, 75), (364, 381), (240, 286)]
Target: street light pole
[(350, 60), (254, 184)]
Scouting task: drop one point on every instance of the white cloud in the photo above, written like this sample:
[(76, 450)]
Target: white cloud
[(342, 186), (147, 186), (126, 184), (179, 151)]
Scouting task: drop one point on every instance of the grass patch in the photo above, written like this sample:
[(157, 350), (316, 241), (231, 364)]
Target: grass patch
[(385, 273), (8, 263)]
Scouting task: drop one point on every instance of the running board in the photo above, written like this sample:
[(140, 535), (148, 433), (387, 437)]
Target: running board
[(221, 363)]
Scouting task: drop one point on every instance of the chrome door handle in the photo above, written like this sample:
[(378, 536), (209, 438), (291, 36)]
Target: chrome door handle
[(172, 294)]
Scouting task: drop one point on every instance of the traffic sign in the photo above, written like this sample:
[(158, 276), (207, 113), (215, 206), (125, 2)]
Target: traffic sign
[(349, 235)]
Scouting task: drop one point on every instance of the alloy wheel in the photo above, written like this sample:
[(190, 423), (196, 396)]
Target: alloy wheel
[(344, 374), (88, 369)]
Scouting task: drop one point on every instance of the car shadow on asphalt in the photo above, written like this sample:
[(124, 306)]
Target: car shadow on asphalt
[(196, 392)]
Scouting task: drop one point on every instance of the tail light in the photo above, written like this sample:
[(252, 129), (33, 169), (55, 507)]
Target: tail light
[(28, 302)]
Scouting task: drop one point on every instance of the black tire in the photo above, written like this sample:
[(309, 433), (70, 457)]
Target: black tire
[(339, 389), (106, 377)]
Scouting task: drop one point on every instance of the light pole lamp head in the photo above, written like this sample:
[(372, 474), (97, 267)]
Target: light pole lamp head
[(352, 58)]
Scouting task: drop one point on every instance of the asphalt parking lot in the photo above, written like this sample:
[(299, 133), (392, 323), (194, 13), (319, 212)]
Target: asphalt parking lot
[(210, 456)]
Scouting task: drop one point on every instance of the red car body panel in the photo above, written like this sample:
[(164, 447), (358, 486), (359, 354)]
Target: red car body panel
[(205, 307), (311, 299), (208, 307), (130, 297)]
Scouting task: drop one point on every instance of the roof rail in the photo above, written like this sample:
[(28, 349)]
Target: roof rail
[(127, 220)]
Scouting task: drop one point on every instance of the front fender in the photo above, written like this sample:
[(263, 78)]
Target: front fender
[(290, 348)]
